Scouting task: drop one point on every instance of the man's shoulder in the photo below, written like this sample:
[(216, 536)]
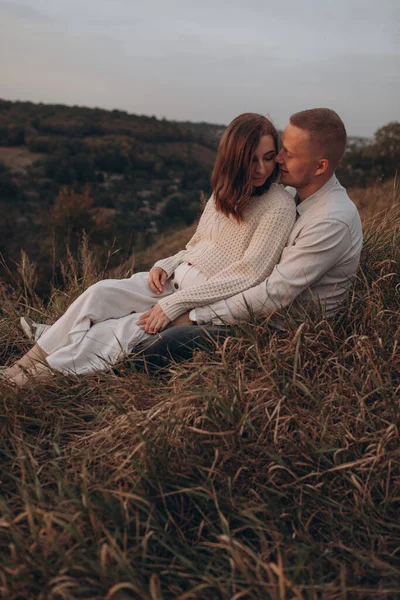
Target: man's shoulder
[(335, 205), (340, 206)]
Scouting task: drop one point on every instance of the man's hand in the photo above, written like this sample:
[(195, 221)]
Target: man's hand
[(182, 320), (157, 278), (153, 320)]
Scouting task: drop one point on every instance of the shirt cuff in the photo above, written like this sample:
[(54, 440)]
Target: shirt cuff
[(216, 314), (193, 316)]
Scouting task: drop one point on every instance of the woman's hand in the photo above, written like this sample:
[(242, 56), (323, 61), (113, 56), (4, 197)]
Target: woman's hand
[(153, 320), (157, 279)]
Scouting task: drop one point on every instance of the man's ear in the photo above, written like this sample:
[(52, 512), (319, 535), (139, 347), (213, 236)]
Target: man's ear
[(322, 166)]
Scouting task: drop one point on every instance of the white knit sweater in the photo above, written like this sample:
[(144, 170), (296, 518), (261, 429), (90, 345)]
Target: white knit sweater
[(233, 256)]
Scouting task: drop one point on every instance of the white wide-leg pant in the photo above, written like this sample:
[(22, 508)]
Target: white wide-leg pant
[(99, 327)]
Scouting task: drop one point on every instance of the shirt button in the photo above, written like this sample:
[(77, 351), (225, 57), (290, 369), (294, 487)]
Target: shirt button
[(176, 286)]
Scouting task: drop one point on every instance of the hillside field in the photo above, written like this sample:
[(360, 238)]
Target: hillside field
[(267, 468)]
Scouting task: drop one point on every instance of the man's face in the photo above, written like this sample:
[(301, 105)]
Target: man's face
[(297, 160)]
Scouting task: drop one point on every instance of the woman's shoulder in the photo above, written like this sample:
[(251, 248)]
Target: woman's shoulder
[(278, 191), (277, 195), (209, 203), (208, 207)]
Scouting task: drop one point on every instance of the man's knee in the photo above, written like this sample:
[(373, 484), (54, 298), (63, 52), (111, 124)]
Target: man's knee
[(177, 344)]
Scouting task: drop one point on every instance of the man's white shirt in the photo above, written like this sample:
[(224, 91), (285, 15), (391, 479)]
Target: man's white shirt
[(318, 263)]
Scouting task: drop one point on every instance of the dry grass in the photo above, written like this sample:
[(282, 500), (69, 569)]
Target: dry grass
[(267, 469), (376, 201)]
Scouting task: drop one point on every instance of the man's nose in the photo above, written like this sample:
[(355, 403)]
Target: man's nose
[(279, 157)]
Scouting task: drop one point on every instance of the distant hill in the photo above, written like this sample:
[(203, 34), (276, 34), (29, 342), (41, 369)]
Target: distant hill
[(145, 177)]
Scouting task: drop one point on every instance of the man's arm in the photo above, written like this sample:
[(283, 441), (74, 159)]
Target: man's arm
[(317, 249)]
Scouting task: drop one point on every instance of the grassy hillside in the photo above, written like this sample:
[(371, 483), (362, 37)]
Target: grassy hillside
[(268, 468)]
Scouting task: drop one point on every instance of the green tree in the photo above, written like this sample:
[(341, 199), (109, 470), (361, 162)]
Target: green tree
[(181, 209), (374, 162), (387, 139)]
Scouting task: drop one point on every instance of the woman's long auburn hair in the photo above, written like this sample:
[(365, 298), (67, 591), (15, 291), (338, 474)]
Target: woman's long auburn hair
[(231, 176)]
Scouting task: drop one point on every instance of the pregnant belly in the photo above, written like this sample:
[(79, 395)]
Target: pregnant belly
[(186, 276)]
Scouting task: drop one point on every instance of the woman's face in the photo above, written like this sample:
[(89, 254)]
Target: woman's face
[(263, 162)]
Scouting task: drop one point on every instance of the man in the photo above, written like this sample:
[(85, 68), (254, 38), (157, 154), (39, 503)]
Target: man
[(322, 254)]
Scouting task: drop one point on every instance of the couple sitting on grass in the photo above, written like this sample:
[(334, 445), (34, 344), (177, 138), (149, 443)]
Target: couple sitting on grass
[(257, 247)]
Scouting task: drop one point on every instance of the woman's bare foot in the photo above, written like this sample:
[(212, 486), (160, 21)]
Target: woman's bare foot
[(34, 357), (40, 371)]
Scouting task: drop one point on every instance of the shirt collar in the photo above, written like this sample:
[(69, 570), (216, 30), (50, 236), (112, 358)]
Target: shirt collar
[(302, 207)]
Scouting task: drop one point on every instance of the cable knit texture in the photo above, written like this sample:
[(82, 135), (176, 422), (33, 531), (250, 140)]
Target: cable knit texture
[(233, 256)]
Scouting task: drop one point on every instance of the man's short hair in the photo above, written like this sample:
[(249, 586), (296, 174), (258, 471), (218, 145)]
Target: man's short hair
[(327, 132)]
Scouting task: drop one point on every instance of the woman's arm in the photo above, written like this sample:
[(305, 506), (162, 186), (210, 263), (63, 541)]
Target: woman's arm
[(257, 263)]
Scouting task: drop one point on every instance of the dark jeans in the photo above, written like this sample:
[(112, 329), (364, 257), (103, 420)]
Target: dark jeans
[(176, 344)]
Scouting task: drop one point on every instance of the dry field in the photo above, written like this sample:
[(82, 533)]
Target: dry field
[(18, 157), (268, 468)]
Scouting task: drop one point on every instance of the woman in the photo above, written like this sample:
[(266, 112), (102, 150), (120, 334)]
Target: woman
[(238, 241)]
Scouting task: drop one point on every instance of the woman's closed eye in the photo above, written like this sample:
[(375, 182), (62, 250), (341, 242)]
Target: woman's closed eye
[(268, 157)]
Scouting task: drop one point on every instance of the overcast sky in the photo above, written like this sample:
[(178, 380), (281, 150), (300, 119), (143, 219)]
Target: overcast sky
[(206, 60)]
